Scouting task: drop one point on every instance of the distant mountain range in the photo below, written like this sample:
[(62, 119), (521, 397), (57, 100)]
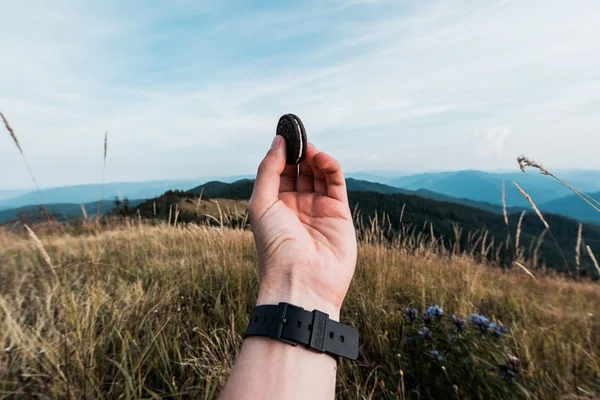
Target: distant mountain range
[(574, 207), (10, 194), (81, 194), (60, 212), (487, 187), (472, 188)]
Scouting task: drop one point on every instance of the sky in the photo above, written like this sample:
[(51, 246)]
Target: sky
[(195, 88)]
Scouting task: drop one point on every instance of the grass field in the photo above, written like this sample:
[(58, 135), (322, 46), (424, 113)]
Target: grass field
[(140, 310)]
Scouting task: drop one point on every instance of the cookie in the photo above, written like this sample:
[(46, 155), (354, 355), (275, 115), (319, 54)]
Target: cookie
[(292, 129)]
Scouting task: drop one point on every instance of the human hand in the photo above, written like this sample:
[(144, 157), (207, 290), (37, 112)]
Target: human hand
[(305, 238)]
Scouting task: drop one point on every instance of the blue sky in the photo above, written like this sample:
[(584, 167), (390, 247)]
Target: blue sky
[(195, 88)]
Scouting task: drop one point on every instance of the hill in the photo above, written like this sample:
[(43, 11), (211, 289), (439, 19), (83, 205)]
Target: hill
[(428, 216), (81, 194), (421, 215), (487, 187), (243, 190), (9, 194), (59, 212), (573, 207)]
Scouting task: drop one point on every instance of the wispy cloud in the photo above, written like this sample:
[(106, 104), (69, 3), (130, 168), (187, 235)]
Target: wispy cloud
[(195, 88)]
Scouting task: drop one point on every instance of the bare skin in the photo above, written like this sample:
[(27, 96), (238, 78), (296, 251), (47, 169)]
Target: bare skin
[(306, 245)]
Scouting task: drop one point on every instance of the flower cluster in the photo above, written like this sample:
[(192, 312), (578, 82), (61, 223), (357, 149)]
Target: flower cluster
[(498, 329), (459, 323), (435, 311), (432, 313), (436, 354), (425, 333), (485, 325), (411, 314), (482, 322)]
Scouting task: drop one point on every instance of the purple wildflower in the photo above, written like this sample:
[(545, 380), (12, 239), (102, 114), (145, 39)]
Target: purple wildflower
[(498, 329), (411, 314), (435, 311), (436, 354), (459, 323), (482, 322), (425, 333)]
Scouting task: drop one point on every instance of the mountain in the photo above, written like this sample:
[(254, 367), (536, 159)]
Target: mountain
[(375, 176), (243, 190), (357, 185), (574, 207), (60, 212), (80, 194), (585, 180), (9, 194), (420, 215), (240, 190), (495, 208), (487, 187)]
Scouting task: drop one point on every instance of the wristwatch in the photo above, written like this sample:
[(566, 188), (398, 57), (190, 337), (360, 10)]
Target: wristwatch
[(295, 325)]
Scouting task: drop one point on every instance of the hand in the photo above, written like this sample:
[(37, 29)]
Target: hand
[(305, 237)]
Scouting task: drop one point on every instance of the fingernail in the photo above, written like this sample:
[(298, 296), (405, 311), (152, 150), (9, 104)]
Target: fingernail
[(276, 141)]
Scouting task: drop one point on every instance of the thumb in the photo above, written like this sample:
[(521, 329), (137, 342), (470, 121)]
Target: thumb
[(266, 186)]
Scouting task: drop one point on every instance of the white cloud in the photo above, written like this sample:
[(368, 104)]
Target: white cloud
[(185, 94), (491, 142)]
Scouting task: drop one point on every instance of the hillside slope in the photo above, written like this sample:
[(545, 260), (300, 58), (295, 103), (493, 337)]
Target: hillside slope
[(160, 312), (422, 215), (59, 212), (81, 194), (243, 190), (573, 207)]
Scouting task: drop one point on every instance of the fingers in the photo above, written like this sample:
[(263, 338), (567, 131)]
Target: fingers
[(268, 179), (328, 175), (306, 179), (288, 180), (320, 182)]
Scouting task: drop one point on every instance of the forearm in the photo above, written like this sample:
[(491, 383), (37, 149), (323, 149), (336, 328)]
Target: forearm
[(270, 369)]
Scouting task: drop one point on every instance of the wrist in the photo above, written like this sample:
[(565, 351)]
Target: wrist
[(296, 295)]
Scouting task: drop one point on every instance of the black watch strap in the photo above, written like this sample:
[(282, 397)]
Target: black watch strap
[(294, 325)]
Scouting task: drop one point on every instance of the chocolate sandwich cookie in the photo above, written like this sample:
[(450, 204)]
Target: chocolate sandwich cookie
[(291, 128)]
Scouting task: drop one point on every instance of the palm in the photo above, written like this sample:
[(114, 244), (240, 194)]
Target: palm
[(305, 232), (318, 221)]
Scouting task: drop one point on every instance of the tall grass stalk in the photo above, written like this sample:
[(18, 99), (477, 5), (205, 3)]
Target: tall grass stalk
[(593, 257), (37, 188), (541, 217), (578, 248), (103, 172), (518, 234), (525, 162), (528, 272)]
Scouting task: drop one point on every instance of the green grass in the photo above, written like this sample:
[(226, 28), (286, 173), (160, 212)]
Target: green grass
[(139, 311)]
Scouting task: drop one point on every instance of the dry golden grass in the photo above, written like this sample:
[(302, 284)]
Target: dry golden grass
[(140, 311)]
